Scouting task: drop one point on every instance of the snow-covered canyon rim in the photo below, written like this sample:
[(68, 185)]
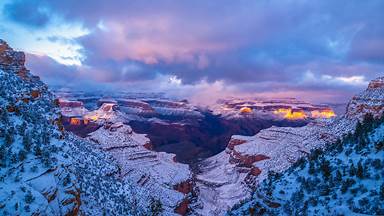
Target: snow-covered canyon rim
[(175, 126)]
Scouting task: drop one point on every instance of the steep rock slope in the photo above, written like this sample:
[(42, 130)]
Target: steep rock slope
[(230, 176), (346, 179), (156, 172), (44, 170), (29, 145)]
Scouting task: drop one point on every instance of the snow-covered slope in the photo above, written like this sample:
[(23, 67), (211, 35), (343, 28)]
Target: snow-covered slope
[(33, 179), (230, 176), (46, 171), (347, 179)]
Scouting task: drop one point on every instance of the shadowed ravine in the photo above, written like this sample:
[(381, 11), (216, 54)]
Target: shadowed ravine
[(202, 137)]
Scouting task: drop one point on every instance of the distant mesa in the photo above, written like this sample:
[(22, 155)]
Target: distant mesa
[(286, 108)]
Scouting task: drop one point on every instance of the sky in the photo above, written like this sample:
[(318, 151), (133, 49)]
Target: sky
[(315, 50)]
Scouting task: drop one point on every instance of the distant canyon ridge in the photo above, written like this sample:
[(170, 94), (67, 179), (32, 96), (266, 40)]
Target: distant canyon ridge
[(177, 126)]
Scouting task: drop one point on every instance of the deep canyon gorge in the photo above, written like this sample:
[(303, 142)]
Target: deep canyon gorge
[(139, 153)]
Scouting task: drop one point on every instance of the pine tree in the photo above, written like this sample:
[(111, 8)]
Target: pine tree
[(352, 170), (45, 138), (29, 197), (344, 186), (325, 168), (37, 149), (359, 130), (368, 122), (338, 176), (27, 142), (27, 208), (8, 138), (339, 146), (379, 146), (14, 158), (2, 155), (156, 207), (66, 180), (22, 128), (311, 169), (4, 117), (46, 158), (362, 142), (22, 155), (360, 171)]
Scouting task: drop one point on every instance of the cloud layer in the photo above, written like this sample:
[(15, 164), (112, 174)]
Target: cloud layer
[(329, 49)]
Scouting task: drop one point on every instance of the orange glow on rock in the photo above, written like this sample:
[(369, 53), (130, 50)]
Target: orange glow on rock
[(291, 114), (245, 110), (75, 121), (323, 113)]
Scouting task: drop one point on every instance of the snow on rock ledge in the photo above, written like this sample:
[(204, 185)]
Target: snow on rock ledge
[(371, 100)]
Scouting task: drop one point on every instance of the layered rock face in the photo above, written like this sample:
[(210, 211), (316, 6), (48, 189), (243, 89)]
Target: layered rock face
[(156, 172), (371, 100), (229, 177), (11, 60)]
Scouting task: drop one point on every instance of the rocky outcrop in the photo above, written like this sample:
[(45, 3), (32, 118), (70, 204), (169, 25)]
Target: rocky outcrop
[(234, 142), (376, 84), (369, 101), (228, 177), (184, 187), (182, 207), (245, 159), (11, 60)]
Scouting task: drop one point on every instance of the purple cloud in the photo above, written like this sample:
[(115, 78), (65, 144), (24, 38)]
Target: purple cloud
[(252, 46)]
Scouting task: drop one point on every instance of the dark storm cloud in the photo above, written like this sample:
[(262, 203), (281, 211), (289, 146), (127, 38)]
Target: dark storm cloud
[(254, 45), (27, 13)]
